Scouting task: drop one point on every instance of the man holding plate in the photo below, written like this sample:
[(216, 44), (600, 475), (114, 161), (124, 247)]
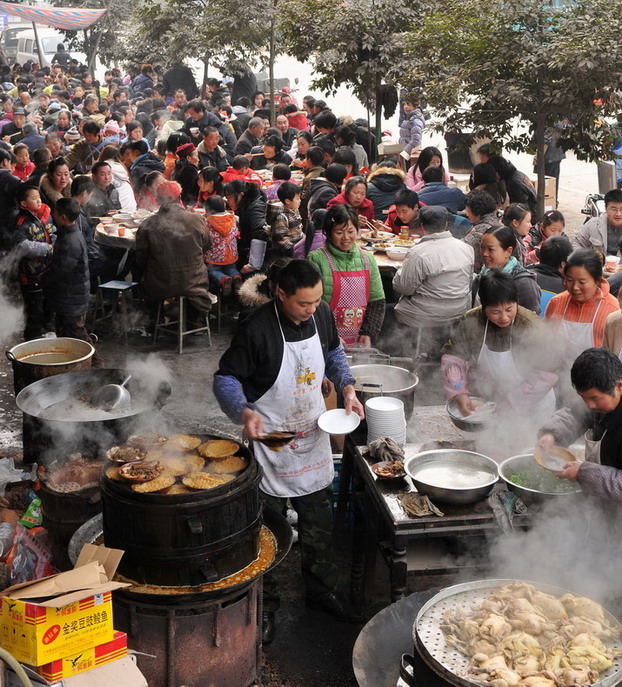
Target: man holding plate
[(270, 379)]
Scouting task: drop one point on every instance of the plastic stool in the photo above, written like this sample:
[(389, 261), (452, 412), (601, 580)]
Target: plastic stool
[(119, 288), (179, 326)]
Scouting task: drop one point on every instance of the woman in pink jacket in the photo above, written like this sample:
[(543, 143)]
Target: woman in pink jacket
[(429, 157)]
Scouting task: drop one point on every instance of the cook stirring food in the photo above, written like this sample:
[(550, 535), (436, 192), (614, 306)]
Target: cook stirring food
[(270, 379), (596, 376), (499, 338)]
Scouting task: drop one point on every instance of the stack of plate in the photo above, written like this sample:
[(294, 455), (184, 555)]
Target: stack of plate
[(385, 418)]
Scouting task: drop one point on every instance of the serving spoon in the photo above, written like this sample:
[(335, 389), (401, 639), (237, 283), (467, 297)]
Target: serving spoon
[(111, 396)]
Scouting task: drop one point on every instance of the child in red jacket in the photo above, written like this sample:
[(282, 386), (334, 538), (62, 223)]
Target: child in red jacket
[(24, 167), (240, 169)]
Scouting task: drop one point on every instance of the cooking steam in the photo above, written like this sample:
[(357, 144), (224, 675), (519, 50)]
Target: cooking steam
[(12, 313)]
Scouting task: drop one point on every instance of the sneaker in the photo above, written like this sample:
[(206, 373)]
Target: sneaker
[(226, 285)]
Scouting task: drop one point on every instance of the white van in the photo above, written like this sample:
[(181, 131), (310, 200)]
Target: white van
[(48, 41)]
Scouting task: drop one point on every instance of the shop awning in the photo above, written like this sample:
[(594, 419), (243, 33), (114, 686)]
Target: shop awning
[(64, 18)]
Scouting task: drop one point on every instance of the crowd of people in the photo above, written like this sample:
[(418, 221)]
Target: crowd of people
[(269, 215)]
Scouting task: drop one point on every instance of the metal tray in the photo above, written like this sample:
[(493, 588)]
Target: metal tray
[(450, 663)]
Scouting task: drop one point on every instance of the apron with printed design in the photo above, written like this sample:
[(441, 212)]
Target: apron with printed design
[(293, 403), (350, 297)]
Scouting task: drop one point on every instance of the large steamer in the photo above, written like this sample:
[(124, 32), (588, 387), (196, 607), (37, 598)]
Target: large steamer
[(195, 561), (184, 539)]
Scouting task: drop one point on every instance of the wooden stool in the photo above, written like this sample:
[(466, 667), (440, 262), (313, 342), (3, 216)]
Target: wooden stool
[(177, 326)]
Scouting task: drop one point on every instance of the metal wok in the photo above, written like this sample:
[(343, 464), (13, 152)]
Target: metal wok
[(74, 426)]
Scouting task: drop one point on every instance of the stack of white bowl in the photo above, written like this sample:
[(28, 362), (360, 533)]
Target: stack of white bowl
[(385, 418)]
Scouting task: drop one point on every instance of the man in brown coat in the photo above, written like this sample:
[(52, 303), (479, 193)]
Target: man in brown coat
[(169, 252)]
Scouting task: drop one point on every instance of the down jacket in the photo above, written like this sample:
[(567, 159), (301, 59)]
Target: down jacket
[(66, 281), (382, 186), (411, 130)]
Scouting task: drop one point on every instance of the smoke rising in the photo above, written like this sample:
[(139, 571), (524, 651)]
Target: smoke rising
[(12, 312)]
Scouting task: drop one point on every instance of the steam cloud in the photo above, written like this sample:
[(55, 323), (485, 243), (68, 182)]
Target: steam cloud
[(12, 313)]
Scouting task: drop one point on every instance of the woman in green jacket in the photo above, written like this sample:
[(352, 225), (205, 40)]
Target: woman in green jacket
[(351, 279)]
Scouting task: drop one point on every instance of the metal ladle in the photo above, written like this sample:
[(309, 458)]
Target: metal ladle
[(111, 396)]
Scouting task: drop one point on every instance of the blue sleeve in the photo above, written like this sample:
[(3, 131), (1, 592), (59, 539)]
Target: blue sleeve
[(230, 396), (337, 368)]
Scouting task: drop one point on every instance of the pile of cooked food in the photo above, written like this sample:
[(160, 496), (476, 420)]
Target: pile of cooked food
[(176, 464), (522, 637), (389, 469), (543, 480), (76, 473)]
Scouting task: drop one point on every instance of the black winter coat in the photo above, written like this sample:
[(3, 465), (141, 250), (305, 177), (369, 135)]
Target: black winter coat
[(146, 164), (180, 76), (8, 207), (66, 280), (228, 140), (519, 191), (252, 216), (320, 192), (382, 187)]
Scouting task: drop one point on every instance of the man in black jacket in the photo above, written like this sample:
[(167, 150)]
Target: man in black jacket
[(66, 281), (9, 184), (178, 75), (198, 118)]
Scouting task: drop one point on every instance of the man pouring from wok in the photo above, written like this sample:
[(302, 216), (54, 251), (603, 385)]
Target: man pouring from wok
[(270, 379), (596, 376)]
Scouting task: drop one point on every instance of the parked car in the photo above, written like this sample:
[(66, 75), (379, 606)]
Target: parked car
[(48, 41)]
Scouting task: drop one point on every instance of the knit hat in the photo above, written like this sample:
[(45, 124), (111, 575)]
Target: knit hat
[(168, 191), (112, 127), (185, 150), (54, 107), (72, 136), (19, 111)]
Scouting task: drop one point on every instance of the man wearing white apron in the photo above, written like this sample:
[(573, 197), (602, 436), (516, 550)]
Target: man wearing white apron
[(596, 376), (270, 379)]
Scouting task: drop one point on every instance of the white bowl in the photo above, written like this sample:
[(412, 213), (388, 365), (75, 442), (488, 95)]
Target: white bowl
[(397, 253), (384, 404), (337, 421)]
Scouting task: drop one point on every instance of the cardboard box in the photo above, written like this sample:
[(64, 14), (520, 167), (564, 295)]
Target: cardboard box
[(122, 672), (63, 614), (85, 660)]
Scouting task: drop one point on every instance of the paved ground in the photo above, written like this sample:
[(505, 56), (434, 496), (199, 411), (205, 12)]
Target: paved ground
[(310, 650)]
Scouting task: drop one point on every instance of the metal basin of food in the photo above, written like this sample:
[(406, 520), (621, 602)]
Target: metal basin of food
[(56, 417), (537, 484), (451, 476), (386, 380), (475, 423), (41, 358)]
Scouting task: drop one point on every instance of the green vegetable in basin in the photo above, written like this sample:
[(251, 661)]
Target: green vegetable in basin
[(541, 480)]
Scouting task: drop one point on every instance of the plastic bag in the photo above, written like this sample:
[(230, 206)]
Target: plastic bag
[(30, 558), (9, 473)]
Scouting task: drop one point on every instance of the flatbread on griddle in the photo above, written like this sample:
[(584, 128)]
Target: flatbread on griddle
[(218, 449), (186, 442), (157, 484), (203, 480)]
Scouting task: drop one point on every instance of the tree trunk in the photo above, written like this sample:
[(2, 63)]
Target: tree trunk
[(93, 53), (378, 121), (540, 151), (271, 58), (204, 84)]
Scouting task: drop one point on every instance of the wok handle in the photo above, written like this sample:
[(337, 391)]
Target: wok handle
[(408, 661), (371, 384), (10, 356)]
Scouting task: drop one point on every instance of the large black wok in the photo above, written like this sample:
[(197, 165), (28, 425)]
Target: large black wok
[(75, 426)]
